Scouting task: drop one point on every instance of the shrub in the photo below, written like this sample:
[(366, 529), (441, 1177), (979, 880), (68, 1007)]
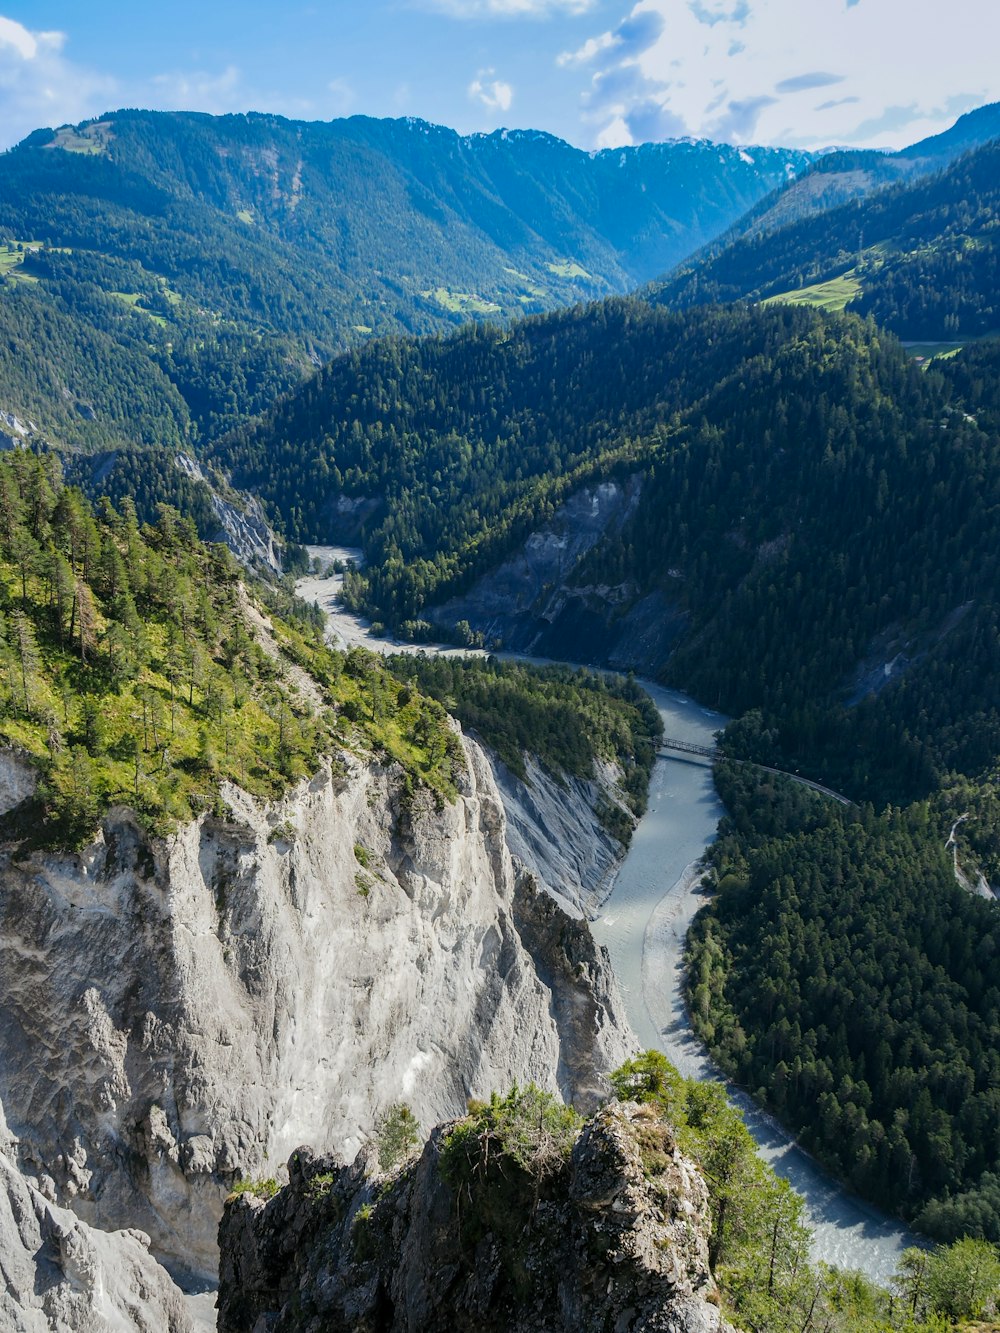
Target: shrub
[(529, 1127), (261, 1189)]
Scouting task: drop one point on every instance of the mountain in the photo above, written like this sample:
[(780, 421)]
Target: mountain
[(172, 273), (921, 258), (839, 175)]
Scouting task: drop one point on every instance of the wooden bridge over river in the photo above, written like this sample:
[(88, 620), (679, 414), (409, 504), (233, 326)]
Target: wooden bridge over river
[(671, 748)]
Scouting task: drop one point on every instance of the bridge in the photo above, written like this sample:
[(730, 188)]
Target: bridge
[(670, 748), (685, 747)]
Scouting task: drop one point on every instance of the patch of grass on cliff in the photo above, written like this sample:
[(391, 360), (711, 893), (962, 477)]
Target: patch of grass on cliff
[(260, 1189), (136, 670), (529, 1129)]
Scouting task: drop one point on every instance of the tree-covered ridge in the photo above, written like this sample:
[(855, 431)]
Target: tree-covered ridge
[(834, 510), (467, 444), (921, 258), (136, 669), (807, 493), (844, 976), (566, 719)]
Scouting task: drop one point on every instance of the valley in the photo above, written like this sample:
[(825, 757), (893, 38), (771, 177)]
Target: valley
[(641, 914), (374, 501)]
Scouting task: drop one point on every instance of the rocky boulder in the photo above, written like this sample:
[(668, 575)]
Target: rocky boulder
[(614, 1235)]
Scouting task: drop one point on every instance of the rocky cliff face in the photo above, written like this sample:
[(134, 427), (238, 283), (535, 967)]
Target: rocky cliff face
[(615, 1238), (537, 602), (175, 1014), (554, 828), (61, 1276)]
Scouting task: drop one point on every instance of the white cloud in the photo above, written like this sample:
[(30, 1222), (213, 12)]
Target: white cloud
[(591, 48), (26, 43), (39, 86), (898, 76), (492, 93), (343, 97)]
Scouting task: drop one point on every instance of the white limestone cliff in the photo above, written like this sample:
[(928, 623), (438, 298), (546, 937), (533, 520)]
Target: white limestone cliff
[(175, 1014), (61, 1276)]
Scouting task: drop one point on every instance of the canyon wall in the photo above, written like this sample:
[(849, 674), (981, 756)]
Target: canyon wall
[(179, 1013)]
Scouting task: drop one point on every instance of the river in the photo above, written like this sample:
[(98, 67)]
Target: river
[(643, 925)]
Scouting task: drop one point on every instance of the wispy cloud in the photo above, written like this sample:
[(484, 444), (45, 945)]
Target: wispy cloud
[(200, 90), (768, 56), (39, 85), (494, 94), (800, 82), (623, 44), (506, 9), (720, 11), (739, 121)]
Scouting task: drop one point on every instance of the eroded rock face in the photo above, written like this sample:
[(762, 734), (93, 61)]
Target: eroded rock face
[(538, 600), (615, 1239), (554, 828), (61, 1276), (177, 1014)]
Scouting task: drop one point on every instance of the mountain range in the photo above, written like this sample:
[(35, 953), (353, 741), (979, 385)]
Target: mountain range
[(739, 481), (174, 273)]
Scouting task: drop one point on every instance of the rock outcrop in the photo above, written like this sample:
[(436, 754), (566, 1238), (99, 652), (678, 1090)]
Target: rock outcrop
[(539, 601), (554, 829), (61, 1276), (614, 1238), (177, 1014)]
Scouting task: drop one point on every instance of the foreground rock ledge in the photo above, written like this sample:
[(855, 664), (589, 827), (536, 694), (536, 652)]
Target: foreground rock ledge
[(616, 1240)]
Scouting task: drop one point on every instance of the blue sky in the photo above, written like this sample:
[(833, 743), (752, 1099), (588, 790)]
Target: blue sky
[(808, 73)]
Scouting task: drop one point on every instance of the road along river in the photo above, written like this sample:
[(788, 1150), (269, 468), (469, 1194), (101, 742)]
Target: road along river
[(643, 924)]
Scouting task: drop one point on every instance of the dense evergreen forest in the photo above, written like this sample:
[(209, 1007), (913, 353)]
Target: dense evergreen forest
[(566, 719), (843, 974), (811, 498), (136, 668), (921, 258), (466, 444)]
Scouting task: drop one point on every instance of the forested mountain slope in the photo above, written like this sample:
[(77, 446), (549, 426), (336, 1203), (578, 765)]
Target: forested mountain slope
[(806, 490), (921, 258), (165, 274), (843, 174)]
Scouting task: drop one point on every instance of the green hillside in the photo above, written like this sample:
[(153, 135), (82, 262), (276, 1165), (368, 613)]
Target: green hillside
[(921, 258), (789, 530), (164, 275), (139, 669)]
